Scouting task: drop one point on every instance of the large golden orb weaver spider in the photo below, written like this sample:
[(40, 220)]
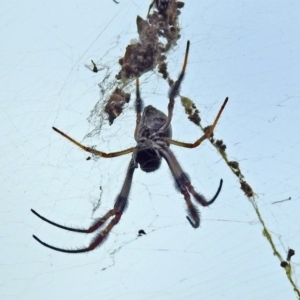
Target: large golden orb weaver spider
[(153, 134)]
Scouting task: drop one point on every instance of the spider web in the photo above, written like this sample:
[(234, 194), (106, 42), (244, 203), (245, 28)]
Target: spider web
[(246, 51)]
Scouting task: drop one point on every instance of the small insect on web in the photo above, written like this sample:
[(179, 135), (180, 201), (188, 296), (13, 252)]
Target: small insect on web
[(153, 133)]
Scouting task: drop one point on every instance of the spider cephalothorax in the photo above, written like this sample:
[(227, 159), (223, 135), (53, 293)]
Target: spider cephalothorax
[(153, 135), (148, 136)]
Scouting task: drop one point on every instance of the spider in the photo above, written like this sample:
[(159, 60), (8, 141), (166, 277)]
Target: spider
[(153, 138)]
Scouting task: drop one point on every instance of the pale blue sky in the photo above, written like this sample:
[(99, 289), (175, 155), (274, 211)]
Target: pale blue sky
[(246, 50)]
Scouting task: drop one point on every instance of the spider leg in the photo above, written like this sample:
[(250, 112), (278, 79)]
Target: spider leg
[(94, 151), (183, 184), (96, 225), (200, 198), (206, 135), (59, 249), (119, 207), (193, 212), (139, 106), (175, 90)]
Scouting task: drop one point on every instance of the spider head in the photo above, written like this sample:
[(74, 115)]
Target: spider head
[(147, 156)]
